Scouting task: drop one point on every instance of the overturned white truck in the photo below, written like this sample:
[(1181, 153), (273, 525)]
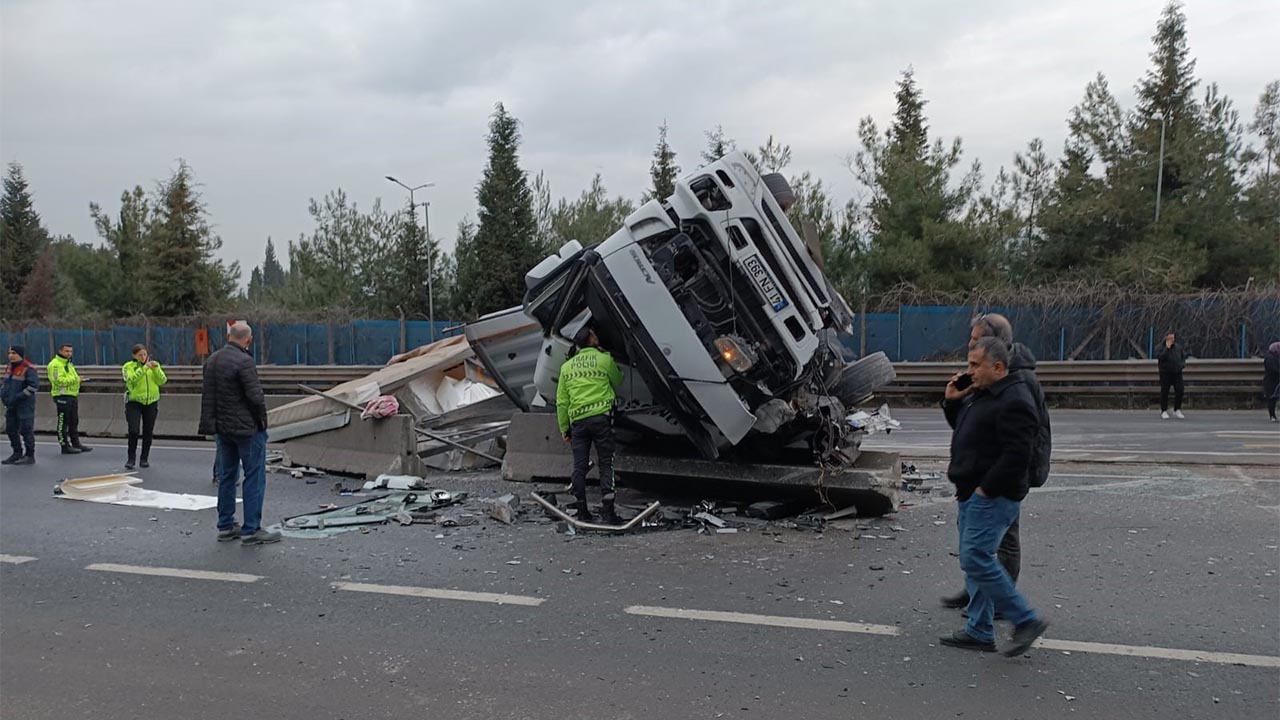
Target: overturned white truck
[(728, 333)]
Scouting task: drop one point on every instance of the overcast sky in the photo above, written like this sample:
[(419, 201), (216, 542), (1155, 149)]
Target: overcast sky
[(276, 102)]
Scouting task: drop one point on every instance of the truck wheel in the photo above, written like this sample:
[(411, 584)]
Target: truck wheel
[(781, 189), (862, 378)]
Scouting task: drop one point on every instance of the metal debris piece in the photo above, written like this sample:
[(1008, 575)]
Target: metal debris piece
[(578, 524), (709, 519), (874, 422), (848, 512)]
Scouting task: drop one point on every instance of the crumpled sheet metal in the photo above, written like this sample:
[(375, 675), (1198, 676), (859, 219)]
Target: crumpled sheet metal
[(392, 507)]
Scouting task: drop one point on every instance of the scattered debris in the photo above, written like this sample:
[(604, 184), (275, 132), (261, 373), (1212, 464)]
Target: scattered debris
[(397, 482), (874, 422), (505, 509)]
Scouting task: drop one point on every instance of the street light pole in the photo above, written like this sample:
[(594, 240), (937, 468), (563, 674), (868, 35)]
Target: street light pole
[(431, 299), (1160, 171)]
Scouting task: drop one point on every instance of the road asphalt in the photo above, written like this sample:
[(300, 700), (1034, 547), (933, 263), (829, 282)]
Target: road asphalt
[(1161, 579)]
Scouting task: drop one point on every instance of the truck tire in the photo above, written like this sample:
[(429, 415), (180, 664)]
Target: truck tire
[(862, 378), (781, 190)]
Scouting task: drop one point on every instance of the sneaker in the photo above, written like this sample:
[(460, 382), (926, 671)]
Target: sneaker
[(965, 641), (957, 601), (1024, 635), (260, 537), (1178, 414), (230, 533), (11, 459), (129, 464), (1164, 415), (26, 460), (1273, 419), (69, 450)]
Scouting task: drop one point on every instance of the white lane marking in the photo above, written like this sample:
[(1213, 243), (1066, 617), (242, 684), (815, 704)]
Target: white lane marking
[(122, 446), (771, 620), (1221, 658), (174, 572), (15, 559), (441, 594)]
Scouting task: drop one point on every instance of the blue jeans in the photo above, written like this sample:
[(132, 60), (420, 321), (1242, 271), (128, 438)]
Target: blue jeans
[(983, 522), (217, 461), (249, 451)]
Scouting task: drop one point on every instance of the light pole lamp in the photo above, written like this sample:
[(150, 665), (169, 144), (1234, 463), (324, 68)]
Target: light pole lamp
[(426, 221)]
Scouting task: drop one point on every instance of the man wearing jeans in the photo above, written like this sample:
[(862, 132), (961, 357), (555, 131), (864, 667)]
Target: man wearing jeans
[(995, 423), (234, 410)]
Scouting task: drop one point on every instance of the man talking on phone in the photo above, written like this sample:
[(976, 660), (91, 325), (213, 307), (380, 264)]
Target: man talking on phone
[(995, 423), (1022, 364)]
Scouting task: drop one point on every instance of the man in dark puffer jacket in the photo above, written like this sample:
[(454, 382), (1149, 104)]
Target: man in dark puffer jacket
[(234, 411), (1022, 365)]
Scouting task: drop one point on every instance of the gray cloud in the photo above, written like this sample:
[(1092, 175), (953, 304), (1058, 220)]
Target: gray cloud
[(273, 103)]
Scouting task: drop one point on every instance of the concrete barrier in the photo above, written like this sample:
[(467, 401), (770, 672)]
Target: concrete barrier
[(364, 447), (102, 414)]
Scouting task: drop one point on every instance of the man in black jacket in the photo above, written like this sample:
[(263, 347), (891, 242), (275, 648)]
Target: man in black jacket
[(1171, 358), (234, 411), (995, 423), (1022, 364)]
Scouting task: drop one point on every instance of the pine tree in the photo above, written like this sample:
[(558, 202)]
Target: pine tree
[(272, 271), (491, 274), (38, 299), (718, 145), (127, 238), (22, 239), (915, 227), (663, 171), (591, 218), (181, 274), (772, 157)]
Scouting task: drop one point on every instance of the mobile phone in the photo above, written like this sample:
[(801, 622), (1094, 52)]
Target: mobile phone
[(964, 381)]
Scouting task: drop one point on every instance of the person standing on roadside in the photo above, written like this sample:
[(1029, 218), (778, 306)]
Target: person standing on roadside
[(143, 378), (64, 387), (18, 394), (585, 392), (1171, 359), (233, 410), (994, 423), (1271, 379), (1022, 364)]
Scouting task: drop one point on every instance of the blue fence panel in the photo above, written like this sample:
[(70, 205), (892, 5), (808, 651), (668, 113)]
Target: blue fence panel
[(123, 338), (931, 333), (375, 341), (882, 333), (286, 344)]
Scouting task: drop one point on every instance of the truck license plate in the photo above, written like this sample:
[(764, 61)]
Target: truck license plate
[(763, 281)]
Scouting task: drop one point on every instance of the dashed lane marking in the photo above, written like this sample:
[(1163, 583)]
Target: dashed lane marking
[(1201, 656), (15, 559), (174, 572), (441, 594), (770, 620)]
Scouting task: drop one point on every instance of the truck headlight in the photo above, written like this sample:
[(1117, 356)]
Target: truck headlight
[(736, 354)]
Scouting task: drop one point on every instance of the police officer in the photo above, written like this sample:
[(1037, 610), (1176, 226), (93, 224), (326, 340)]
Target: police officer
[(64, 386), (585, 393)]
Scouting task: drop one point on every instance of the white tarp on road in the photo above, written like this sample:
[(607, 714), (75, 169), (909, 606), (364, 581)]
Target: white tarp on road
[(121, 490)]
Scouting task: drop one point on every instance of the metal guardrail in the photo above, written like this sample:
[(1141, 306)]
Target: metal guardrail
[(1102, 377)]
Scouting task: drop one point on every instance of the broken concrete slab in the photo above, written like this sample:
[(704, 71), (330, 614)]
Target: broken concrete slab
[(504, 509), (537, 452)]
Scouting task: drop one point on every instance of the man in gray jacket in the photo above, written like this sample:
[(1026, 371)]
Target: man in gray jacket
[(233, 410), (1022, 365)]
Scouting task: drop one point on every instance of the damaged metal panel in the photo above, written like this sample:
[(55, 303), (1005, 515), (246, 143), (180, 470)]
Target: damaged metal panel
[(507, 343)]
